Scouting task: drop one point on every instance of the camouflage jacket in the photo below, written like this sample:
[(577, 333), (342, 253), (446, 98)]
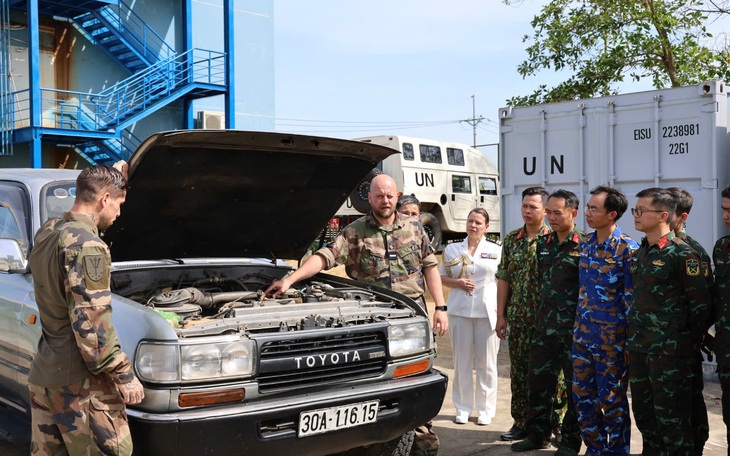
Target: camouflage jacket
[(670, 312), (721, 303), (558, 263), (518, 266), (388, 256), (70, 267), (605, 289), (704, 257)]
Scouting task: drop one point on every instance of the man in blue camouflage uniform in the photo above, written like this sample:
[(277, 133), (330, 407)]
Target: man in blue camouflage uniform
[(721, 310), (667, 321), (80, 379), (558, 253), (389, 251), (600, 375), (700, 424), (518, 295)]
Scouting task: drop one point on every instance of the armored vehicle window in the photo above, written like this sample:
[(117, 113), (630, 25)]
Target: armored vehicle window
[(487, 186), (408, 151), (430, 154), (461, 184), (455, 156)]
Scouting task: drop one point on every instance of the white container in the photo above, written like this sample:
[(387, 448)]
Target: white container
[(664, 138)]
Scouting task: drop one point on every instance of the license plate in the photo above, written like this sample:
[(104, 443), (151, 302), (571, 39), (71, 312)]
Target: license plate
[(333, 418)]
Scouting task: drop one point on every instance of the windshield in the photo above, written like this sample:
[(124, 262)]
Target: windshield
[(57, 198)]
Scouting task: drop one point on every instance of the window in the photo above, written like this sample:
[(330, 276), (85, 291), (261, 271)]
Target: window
[(455, 156), (408, 151), (57, 198), (487, 186), (461, 184), (430, 154), (15, 214), (8, 225)]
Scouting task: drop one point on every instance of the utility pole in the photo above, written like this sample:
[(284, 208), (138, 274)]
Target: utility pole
[(474, 121)]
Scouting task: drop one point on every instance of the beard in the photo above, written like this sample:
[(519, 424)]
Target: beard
[(383, 212)]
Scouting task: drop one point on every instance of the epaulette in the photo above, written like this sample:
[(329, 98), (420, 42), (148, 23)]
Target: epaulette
[(494, 241)]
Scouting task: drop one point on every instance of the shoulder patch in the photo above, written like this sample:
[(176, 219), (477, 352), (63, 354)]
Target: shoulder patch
[(693, 267), (94, 267)]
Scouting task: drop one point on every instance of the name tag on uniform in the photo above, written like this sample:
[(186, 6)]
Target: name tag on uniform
[(392, 256), (489, 256)]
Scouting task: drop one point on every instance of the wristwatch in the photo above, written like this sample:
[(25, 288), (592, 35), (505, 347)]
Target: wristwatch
[(444, 308)]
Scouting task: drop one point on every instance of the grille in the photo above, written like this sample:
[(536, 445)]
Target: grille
[(298, 362)]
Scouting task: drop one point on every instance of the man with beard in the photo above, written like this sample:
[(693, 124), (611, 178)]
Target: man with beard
[(80, 379), (383, 249)]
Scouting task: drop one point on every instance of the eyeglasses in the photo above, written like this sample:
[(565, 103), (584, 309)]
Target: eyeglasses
[(594, 210), (636, 212)]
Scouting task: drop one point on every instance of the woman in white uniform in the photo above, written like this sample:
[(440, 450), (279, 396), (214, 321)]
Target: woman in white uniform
[(468, 268)]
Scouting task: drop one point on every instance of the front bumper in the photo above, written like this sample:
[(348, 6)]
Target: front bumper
[(270, 426)]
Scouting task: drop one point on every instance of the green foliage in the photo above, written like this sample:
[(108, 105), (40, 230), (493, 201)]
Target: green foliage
[(600, 43)]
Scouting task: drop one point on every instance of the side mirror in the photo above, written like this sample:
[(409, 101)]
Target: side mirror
[(11, 257)]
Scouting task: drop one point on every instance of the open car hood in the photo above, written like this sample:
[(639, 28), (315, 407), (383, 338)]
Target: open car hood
[(226, 193)]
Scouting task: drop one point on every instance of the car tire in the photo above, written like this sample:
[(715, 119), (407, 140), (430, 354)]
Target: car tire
[(359, 196), (400, 446), (433, 229)]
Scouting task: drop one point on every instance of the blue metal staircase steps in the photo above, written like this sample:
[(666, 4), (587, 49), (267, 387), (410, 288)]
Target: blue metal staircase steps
[(62, 8), (109, 151)]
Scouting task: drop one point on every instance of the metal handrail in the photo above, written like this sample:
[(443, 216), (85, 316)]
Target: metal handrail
[(134, 29), (107, 109)]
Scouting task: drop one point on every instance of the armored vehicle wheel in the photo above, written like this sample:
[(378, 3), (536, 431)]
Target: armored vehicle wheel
[(359, 196), (433, 229)]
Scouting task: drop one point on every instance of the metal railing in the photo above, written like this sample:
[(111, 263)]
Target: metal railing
[(110, 108), (6, 99), (130, 27)]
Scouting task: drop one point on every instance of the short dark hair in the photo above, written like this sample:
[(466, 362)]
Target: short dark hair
[(571, 199), (660, 198), (481, 211), (684, 200), (726, 192), (408, 199), (615, 199), (531, 191), (99, 178)]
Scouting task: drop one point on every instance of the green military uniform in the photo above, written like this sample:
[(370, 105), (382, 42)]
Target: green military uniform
[(721, 314), (388, 256), (75, 402), (552, 341), (668, 318), (519, 267), (700, 423)]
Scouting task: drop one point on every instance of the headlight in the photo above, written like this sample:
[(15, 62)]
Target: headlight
[(169, 363), (409, 338)]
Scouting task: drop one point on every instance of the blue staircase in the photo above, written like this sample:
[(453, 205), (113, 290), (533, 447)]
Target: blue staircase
[(95, 124)]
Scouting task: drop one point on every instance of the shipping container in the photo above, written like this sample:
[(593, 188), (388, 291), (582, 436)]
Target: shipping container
[(663, 138)]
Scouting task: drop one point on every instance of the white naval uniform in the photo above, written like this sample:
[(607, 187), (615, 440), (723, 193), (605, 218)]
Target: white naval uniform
[(472, 322)]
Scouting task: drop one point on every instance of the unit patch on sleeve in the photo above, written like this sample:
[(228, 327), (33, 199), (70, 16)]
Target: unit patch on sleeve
[(94, 267), (693, 268)]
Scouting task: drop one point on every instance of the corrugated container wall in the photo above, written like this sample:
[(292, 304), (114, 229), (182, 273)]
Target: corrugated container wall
[(663, 138)]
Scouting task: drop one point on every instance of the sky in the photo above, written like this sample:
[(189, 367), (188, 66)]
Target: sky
[(349, 69)]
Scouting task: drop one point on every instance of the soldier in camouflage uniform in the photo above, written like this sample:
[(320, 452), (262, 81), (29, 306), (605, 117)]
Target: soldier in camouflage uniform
[(80, 379), (558, 254), (518, 295), (667, 321), (721, 310), (600, 375), (389, 251), (700, 424)]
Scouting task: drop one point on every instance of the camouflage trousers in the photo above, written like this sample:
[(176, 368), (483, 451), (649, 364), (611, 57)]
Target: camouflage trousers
[(700, 423), (660, 386), (724, 371), (519, 341), (425, 442), (549, 357), (85, 418), (600, 384)]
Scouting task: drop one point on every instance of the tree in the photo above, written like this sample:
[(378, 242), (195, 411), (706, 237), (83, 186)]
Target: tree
[(598, 43)]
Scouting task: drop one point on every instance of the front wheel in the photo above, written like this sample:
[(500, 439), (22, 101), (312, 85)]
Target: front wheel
[(433, 229)]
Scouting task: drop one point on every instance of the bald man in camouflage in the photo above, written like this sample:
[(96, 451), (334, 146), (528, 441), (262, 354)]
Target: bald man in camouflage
[(401, 265), (80, 379)]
